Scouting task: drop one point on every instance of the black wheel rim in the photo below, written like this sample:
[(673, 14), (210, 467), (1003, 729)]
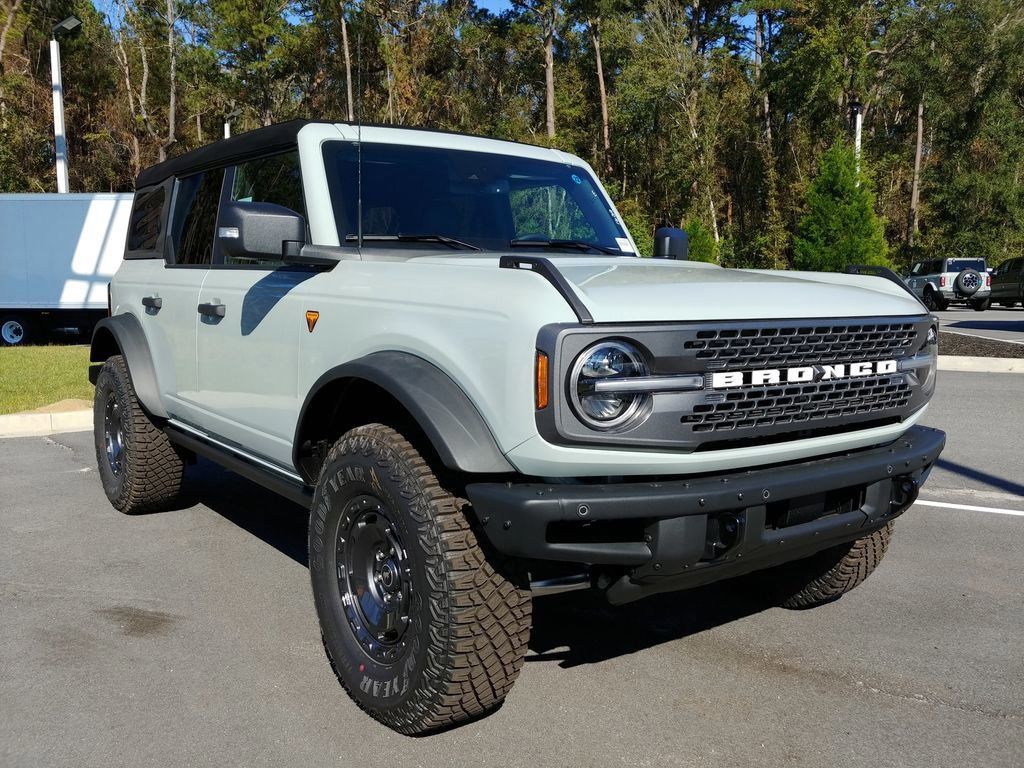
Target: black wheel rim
[(374, 578), (113, 435)]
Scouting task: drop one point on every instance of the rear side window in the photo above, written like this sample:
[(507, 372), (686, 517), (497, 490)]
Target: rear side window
[(146, 221), (196, 200)]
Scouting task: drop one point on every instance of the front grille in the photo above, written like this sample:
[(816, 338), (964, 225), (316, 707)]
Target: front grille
[(755, 409), (794, 345), (760, 407)]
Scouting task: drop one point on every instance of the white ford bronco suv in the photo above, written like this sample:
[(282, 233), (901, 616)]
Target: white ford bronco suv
[(447, 348), (941, 282)]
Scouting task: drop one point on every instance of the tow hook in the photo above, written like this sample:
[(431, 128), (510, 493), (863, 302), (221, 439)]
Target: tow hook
[(905, 490)]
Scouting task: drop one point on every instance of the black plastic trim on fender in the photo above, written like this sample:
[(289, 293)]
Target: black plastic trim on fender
[(131, 340), (282, 486), (549, 272), (442, 410)]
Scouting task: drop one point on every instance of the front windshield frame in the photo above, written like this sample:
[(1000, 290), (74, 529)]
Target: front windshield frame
[(482, 198)]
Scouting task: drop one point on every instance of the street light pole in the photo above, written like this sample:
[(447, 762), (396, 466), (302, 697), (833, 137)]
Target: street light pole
[(858, 121), (60, 141), (228, 118)]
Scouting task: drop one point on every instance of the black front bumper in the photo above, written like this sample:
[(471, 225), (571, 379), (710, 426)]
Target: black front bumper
[(674, 534)]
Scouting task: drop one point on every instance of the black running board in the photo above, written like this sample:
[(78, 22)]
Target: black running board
[(293, 490)]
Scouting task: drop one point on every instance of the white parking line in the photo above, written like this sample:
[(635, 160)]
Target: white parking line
[(972, 508)]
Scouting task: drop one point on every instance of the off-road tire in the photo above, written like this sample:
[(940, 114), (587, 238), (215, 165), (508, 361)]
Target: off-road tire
[(830, 574), (151, 470), (980, 305), (971, 276), (935, 302), (468, 623)]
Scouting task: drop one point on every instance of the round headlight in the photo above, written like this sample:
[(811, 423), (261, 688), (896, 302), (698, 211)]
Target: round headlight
[(606, 360)]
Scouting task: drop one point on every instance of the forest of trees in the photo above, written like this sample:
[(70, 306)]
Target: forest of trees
[(729, 118)]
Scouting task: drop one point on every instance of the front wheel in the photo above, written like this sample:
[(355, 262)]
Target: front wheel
[(422, 630), (980, 305), (829, 574), (935, 302)]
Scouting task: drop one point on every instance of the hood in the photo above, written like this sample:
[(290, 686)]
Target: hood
[(635, 290)]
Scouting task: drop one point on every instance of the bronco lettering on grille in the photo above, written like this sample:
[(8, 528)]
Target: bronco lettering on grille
[(803, 374)]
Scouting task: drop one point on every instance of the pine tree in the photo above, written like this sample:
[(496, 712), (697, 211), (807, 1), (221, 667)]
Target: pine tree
[(840, 226)]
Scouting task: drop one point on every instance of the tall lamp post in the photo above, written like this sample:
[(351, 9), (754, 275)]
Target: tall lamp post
[(227, 120), (857, 116), (60, 142)]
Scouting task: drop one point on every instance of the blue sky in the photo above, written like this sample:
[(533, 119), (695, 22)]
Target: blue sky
[(495, 6)]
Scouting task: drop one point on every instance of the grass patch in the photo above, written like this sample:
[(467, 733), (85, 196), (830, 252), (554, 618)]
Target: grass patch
[(31, 377)]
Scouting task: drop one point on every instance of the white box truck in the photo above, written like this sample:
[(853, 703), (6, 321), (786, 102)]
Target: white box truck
[(57, 255)]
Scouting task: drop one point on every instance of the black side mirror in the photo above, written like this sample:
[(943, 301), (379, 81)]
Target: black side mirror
[(260, 231), (671, 243)]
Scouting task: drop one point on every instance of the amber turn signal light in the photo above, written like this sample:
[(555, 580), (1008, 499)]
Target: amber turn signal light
[(311, 317), (542, 381)]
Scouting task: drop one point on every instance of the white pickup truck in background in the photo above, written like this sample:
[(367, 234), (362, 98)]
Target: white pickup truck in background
[(57, 255)]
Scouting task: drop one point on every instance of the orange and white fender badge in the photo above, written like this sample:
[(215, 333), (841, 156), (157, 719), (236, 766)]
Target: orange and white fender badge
[(311, 317)]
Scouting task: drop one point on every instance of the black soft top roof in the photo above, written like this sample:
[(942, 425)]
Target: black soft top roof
[(261, 141)]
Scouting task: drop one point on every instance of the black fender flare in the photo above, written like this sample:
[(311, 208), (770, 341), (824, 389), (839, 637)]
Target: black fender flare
[(123, 334), (440, 407)]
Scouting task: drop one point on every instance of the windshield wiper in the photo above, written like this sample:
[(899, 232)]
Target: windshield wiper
[(451, 242), (580, 245)]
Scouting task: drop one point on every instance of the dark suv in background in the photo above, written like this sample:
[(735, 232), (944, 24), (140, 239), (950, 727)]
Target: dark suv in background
[(1008, 283)]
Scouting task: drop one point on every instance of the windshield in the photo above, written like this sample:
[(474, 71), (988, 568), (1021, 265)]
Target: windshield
[(959, 265), (488, 201)]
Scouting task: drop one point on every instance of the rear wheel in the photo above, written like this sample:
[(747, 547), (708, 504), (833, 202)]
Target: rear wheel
[(139, 467), (14, 330), (830, 574), (980, 305), (422, 630)]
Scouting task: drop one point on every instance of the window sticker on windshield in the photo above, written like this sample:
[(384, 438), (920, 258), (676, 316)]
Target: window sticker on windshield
[(577, 179), (624, 245)]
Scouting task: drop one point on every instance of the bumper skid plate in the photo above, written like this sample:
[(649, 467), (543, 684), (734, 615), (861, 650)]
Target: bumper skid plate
[(680, 533)]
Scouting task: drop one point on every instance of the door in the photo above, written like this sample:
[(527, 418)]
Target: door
[(248, 338), (165, 300), (1006, 281)]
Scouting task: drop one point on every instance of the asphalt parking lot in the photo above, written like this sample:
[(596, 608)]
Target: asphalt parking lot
[(994, 323), (189, 638)]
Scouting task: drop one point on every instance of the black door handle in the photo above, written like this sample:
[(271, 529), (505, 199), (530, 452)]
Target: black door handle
[(152, 302), (211, 310)]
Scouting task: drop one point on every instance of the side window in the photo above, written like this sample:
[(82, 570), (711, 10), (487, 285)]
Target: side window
[(276, 179), (195, 217), (916, 269), (549, 212), (144, 231)]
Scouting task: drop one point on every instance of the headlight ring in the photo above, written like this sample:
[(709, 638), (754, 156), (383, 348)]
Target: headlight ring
[(607, 359)]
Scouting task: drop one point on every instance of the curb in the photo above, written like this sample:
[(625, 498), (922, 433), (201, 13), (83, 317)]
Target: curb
[(981, 364), (40, 424)]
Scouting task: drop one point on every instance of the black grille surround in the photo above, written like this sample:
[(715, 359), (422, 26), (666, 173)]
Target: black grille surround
[(712, 419)]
